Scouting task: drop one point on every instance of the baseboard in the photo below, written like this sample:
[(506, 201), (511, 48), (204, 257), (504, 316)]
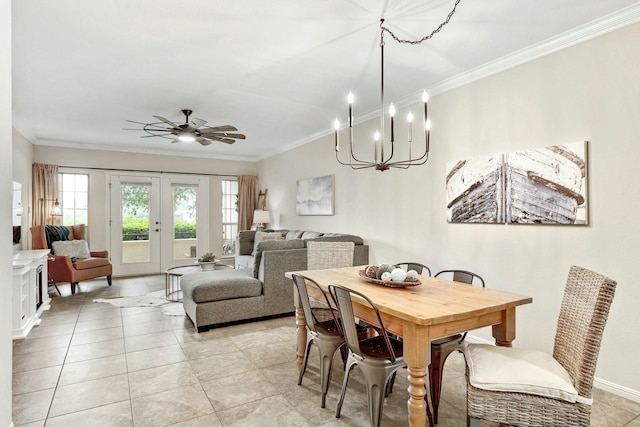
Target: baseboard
[(617, 389), (608, 386)]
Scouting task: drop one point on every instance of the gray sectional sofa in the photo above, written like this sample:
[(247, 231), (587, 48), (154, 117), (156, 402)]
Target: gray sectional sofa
[(257, 287)]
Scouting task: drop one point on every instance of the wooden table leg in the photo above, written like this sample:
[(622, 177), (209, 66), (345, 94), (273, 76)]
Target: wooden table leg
[(416, 356), (301, 329), (505, 332)]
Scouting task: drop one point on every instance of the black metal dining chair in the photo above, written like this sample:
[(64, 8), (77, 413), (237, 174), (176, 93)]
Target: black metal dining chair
[(443, 347)]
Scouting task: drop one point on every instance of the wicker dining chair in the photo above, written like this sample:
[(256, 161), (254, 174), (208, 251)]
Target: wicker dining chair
[(443, 347), (531, 388)]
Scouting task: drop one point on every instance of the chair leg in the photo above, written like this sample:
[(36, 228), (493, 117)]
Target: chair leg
[(73, 288), (304, 362), (109, 280), (55, 285), (350, 365), (439, 355), (473, 422)]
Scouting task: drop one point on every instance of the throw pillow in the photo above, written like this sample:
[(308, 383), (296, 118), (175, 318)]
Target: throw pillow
[(261, 235), (293, 234), (71, 248)]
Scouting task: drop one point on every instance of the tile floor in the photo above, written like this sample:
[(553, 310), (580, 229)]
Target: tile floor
[(93, 364)]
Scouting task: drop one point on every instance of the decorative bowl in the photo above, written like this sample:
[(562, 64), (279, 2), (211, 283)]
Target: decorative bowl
[(388, 283)]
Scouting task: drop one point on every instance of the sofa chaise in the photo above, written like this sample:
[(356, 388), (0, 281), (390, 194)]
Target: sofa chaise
[(257, 287)]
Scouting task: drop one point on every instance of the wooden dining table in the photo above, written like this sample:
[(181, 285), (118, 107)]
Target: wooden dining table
[(420, 314)]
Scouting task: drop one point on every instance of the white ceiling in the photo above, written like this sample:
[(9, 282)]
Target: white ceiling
[(278, 70)]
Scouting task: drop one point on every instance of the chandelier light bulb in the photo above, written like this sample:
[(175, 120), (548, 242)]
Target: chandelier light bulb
[(350, 98), (336, 124), (392, 110), (410, 117), (425, 96), (376, 136), (427, 125)]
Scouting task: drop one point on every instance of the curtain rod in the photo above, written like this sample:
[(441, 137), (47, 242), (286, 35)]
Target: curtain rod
[(148, 171)]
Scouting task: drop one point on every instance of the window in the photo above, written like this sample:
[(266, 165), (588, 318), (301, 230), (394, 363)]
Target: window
[(73, 191), (229, 216)]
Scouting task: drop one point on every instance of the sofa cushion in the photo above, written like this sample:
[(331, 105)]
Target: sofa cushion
[(261, 236), (310, 235), (71, 248), (245, 242), (87, 263), (334, 237), (293, 234), (220, 285), (268, 245)]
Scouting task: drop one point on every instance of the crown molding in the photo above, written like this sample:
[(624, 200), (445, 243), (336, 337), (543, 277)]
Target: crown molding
[(609, 23), (123, 149)]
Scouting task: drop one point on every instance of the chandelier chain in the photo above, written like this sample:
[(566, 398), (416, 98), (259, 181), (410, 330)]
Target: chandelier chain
[(427, 37)]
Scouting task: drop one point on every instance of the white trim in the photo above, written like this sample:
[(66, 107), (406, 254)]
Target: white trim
[(614, 21), (608, 386), (617, 389), (123, 149)]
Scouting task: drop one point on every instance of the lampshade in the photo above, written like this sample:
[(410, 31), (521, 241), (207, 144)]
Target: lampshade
[(261, 217)]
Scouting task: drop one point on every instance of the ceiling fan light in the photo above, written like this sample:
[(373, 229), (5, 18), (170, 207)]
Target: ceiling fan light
[(186, 137)]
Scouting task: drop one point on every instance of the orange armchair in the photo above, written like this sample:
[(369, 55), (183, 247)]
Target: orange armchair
[(61, 268)]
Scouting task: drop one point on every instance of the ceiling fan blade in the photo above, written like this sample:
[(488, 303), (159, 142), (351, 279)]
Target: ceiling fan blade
[(203, 141), (198, 122), (225, 140), (225, 128), (223, 135), (162, 119), (138, 123)]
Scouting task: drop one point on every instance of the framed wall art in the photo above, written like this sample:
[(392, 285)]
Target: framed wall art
[(545, 185), (314, 196)]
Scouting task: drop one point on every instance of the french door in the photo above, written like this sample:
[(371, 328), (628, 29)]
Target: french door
[(157, 222)]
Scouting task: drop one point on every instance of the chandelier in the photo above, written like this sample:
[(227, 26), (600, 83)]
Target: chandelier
[(382, 161)]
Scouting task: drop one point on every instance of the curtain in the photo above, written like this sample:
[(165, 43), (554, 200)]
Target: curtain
[(246, 201), (44, 194)]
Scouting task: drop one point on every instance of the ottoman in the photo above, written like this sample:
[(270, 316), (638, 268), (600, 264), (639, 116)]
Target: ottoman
[(221, 296)]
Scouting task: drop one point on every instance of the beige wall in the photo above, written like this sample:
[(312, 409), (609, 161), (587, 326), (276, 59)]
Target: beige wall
[(98, 180), (587, 92), (6, 190)]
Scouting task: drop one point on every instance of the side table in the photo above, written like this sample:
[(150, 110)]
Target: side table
[(173, 291)]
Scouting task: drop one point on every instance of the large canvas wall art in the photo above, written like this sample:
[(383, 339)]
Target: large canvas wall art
[(539, 186), (314, 196)]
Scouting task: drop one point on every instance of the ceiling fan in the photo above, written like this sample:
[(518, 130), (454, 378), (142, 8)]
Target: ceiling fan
[(191, 130)]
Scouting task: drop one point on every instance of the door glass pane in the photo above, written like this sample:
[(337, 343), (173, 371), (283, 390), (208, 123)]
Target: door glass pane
[(135, 223), (185, 240), (229, 216)]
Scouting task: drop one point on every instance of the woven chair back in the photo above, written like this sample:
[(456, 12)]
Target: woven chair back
[(583, 314), (323, 255)]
